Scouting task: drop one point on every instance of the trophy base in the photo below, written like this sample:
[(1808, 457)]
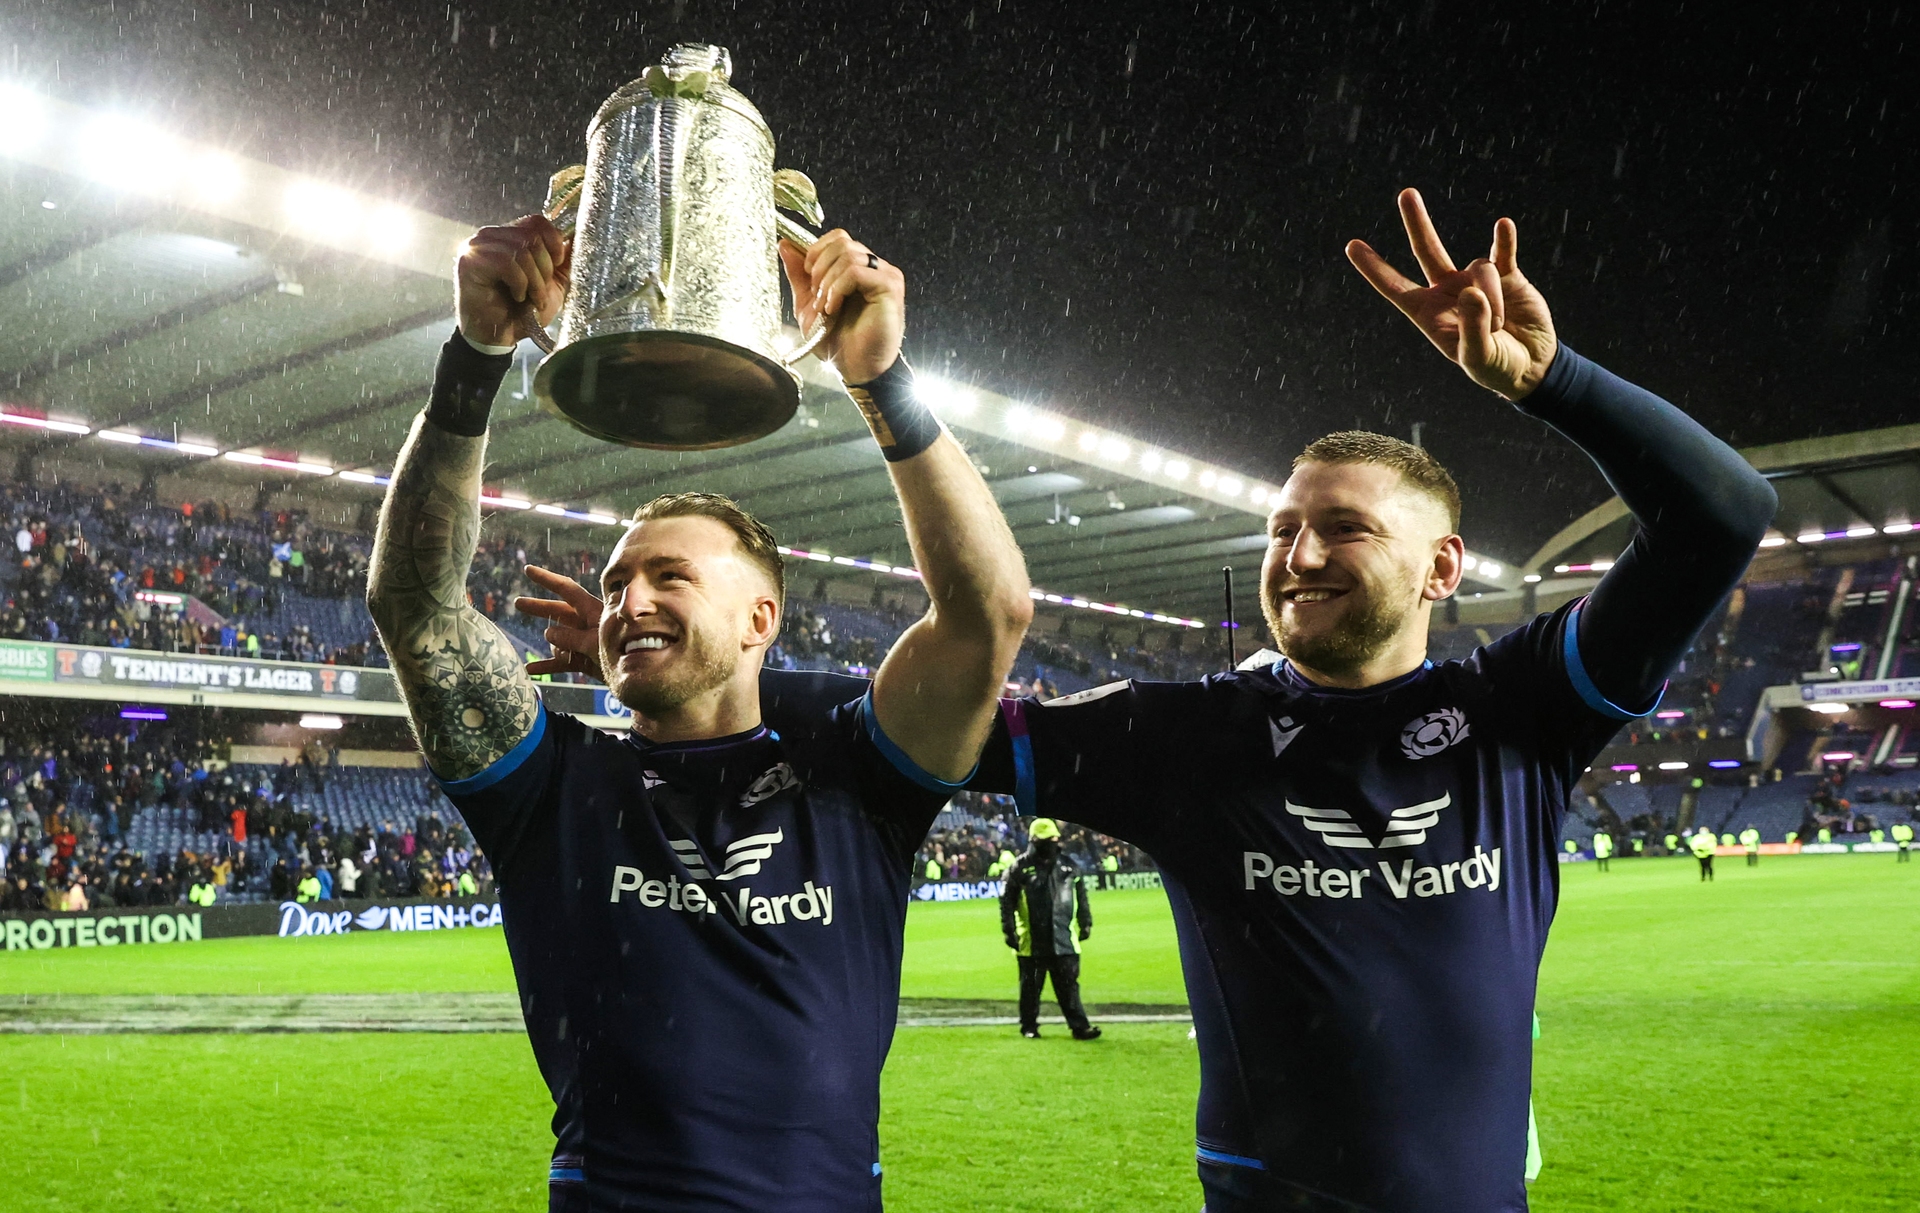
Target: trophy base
[(667, 391)]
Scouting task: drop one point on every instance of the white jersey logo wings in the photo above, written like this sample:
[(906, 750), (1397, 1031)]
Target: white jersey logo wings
[(742, 856), (1405, 827)]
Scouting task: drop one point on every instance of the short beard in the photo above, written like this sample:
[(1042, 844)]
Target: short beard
[(1347, 648), (705, 667)]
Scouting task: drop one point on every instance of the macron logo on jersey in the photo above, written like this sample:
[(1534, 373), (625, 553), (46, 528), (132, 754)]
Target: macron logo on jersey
[(742, 857), (1405, 827), (1284, 731)]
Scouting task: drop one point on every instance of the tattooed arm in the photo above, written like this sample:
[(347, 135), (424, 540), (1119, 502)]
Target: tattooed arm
[(469, 698)]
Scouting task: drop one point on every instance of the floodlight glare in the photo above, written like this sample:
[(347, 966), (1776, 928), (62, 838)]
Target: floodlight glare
[(26, 118), (128, 154), (216, 177)]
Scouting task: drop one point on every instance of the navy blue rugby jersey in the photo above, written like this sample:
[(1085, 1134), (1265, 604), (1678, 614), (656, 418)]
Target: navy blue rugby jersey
[(706, 938), (1361, 883)]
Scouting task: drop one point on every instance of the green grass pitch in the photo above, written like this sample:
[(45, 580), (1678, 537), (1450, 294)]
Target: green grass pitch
[(1749, 1045)]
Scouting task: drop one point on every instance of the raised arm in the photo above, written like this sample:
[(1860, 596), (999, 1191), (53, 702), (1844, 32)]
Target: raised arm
[(467, 695), (936, 691), (1701, 510)]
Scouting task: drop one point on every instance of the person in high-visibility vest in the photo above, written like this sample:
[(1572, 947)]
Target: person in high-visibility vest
[(202, 892), (1727, 840), (1673, 844), (1903, 837), (1603, 848), (1825, 835), (1750, 839), (933, 869), (1701, 844), (1876, 836)]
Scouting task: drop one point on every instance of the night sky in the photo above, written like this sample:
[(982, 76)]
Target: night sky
[(1136, 215)]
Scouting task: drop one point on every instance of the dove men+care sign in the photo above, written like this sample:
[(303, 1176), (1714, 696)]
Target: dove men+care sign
[(1362, 883)]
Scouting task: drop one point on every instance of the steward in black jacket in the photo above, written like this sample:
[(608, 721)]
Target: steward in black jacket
[(1042, 897)]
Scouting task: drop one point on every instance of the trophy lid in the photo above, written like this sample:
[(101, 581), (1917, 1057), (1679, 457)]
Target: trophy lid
[(689, 57), (696, 71)]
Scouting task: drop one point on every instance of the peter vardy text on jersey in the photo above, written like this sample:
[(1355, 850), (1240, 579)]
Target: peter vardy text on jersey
[(1481, 870), (813, 903)]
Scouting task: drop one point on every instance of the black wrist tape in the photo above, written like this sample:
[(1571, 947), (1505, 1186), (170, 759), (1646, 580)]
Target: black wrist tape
[(464, 384), (900, 423)]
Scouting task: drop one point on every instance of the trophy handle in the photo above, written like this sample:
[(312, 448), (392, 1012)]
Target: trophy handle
[(563, 209), (793, 190)]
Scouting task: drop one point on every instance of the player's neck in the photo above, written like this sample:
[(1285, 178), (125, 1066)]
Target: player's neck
[(731, 708), (1405, 654)]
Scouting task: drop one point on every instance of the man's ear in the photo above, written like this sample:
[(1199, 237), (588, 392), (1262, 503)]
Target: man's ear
[(1448, 567), (763, 622)]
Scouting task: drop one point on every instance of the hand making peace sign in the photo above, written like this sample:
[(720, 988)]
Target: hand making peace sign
[(1487, 317)]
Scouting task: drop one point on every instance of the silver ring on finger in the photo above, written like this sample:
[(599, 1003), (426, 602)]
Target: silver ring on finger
[(873, 261)]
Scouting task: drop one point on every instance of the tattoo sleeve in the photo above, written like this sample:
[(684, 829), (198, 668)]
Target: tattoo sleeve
[(469, 698)]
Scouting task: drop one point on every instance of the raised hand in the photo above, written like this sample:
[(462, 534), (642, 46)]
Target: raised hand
[(501, 268), (1486, 316), (573, 624), (834, 278)]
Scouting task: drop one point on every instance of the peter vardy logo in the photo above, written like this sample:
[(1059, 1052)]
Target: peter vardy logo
[(741, 858), (1432, 733), (1405, 827)]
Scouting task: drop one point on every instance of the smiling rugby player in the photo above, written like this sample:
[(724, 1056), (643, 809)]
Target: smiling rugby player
[(705, 915), (1358, 843)]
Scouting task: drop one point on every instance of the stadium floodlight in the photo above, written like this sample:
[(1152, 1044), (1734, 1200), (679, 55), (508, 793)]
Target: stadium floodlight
[(610, 520), (1114, 449), (1228, 486), (1829, 709), (1861, 531), (1811, 536), (1489, 569), (1531, 579), (1257, 494), (1675, 765), (1896, 703), (1774, 541), (216, 176), (544, 508), (1176, 469), (943, 397), (1047, 428), (44, 423), (285, 465), (26, 118), (1089, 440), (1723, 764), (321, 720), (1896, 528), (1670, 714), (1150, 461), (118, 436), (319, 207), (1470, 563), (392, 224), (1837, 756), (128, 154), (143, 713), (507, 503)]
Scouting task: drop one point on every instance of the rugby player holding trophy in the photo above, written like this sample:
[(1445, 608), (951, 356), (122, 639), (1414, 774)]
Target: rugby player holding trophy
[(705, 915)]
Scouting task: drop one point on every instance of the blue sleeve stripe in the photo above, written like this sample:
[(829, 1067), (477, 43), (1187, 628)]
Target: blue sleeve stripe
[(1231, 1160), (898, 757), (502, 766), (1583, 684), (1026, 796)]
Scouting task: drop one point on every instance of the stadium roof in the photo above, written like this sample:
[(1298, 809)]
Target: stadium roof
[(1842, 492), (162, 300)]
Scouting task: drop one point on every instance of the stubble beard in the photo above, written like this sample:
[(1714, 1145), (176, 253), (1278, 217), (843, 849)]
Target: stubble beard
[(1359, 637), (702, 668)]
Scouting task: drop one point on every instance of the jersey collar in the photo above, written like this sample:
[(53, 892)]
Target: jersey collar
[(1294, 680)]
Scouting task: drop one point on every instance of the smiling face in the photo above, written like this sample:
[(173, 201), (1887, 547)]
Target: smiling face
[(1355, 557), (685, 611)]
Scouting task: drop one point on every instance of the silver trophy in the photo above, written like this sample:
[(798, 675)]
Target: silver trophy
[(672, 332)]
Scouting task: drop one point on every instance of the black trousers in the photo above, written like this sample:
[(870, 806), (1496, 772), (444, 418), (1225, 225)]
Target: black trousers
[(1706, 867), (1065, 971)]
